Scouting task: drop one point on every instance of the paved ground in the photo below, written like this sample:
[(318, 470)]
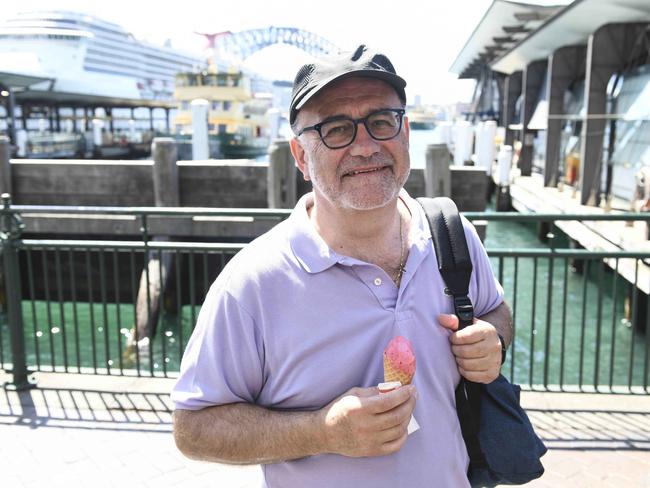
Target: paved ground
[(76, 431)]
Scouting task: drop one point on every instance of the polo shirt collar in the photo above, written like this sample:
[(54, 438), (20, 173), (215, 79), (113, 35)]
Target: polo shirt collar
[(313, 253)]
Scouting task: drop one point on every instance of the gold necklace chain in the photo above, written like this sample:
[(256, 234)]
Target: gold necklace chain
[(400, 270)]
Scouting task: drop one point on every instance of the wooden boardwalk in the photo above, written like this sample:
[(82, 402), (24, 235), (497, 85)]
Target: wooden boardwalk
[(103, 431), (529, 195)]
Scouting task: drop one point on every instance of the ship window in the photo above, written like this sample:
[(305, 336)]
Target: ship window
[(216, 105), (210, 80), (221, 80), (226, 105), (185, 105), (222, 128)]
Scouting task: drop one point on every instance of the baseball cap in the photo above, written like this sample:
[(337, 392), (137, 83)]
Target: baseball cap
[(313, 77)]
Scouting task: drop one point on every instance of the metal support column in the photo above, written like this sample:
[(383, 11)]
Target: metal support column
[(109, 116), (511, 91), (531, 83), (11, 116), (167, 123), (151, 118), (607, 51), (12, 227), (565, 65)]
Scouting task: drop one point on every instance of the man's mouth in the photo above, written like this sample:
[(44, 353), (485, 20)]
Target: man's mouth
[(360, 171)]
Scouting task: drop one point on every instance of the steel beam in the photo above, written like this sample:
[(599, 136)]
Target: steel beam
[(565, 65), (533, 78), (511, 91), (608, 50)]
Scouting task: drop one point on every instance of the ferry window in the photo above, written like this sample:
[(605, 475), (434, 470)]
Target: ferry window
[(222, 128), (226, 105), (192, 80), (216, 105), (221, 80), (185, 105), (210, 80)]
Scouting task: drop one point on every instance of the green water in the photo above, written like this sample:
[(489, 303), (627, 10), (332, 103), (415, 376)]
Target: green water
[(579, 311), (546, 347)]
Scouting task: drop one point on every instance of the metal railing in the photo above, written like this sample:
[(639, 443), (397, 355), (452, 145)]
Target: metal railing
[(89, 306)]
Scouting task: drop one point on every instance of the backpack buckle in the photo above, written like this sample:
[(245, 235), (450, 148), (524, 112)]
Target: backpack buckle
[(464, 310)]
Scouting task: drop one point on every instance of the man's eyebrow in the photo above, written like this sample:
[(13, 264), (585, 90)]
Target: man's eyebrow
[(334, 117)]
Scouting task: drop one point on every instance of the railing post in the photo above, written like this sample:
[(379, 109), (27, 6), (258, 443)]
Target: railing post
[(12, 227), (281, 181)]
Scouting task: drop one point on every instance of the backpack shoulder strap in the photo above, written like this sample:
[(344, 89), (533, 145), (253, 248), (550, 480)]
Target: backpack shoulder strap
[(455, 265), (450, 244)]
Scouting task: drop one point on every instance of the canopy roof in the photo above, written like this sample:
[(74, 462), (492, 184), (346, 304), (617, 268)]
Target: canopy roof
[(504, 25), (571, 25)]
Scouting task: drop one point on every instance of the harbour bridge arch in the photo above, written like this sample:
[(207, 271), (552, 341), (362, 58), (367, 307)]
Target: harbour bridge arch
[(243, 44)]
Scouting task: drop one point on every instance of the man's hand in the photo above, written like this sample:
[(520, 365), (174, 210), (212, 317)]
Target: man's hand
[(364, 422), (477, 349)]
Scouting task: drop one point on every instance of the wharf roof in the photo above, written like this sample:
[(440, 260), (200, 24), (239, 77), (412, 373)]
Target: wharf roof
[(29, 88), (572, 25), (84, 100), (504, 24)]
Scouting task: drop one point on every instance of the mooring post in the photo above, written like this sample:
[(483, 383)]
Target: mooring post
[(437, 174), (12, 227), (5, 165), (158, 264), (281, 179)]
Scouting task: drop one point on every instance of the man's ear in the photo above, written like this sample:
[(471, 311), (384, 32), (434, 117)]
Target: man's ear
[(299, 155)]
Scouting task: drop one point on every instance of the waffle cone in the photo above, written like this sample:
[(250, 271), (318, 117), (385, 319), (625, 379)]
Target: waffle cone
[(393, 374)]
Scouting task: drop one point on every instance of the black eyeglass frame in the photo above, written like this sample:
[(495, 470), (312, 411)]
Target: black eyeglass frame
[(355, 122)]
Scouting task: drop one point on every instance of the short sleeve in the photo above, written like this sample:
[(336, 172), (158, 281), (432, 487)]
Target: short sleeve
[(485, 291), (223, 361)]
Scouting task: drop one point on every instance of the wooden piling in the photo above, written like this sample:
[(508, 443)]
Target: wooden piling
[(437, 174), (281, 176), (158, 266)]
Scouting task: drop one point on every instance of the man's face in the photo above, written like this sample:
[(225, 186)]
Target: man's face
[(367, 174)]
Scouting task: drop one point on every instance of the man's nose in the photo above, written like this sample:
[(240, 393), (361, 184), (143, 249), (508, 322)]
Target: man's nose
[(363, 144)]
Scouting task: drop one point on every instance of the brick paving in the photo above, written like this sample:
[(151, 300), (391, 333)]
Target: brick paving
[(83, 430)]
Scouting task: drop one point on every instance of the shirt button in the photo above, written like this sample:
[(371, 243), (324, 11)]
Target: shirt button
[(378, 281)]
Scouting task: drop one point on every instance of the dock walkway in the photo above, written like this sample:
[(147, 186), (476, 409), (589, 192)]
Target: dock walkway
[(100, 431), (530, 195)]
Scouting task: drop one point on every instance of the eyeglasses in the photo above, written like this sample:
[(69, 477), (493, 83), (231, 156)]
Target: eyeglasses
[(339, 132)]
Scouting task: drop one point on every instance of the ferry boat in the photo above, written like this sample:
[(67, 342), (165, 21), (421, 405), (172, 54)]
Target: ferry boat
[(420, 119), (82, 54), (237, 118)]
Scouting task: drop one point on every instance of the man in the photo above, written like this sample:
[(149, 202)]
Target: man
[(283, 365)]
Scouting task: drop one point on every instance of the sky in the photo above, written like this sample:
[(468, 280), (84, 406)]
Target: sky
[(422, 38)]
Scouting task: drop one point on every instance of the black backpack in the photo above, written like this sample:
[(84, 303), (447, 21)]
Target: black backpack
[(501, 443)]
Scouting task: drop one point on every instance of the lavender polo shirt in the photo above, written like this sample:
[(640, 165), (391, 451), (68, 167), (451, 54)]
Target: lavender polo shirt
[(290, 324)]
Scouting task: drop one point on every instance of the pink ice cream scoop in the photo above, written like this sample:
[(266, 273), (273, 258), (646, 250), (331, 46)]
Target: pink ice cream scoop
[(399, 361)]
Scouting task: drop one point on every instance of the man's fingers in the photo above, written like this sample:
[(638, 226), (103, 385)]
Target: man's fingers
[(448, 321), (487, 376), (387, 401), (478, 332), (474, 351), (480, 364)]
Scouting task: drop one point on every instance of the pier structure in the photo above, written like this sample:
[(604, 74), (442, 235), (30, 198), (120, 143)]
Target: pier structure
[(569, 87), (43, 123)]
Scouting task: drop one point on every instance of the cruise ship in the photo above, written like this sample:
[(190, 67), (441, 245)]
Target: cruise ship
[(82, 54)]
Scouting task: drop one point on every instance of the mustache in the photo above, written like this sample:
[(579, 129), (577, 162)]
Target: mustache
[(354, 162)]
